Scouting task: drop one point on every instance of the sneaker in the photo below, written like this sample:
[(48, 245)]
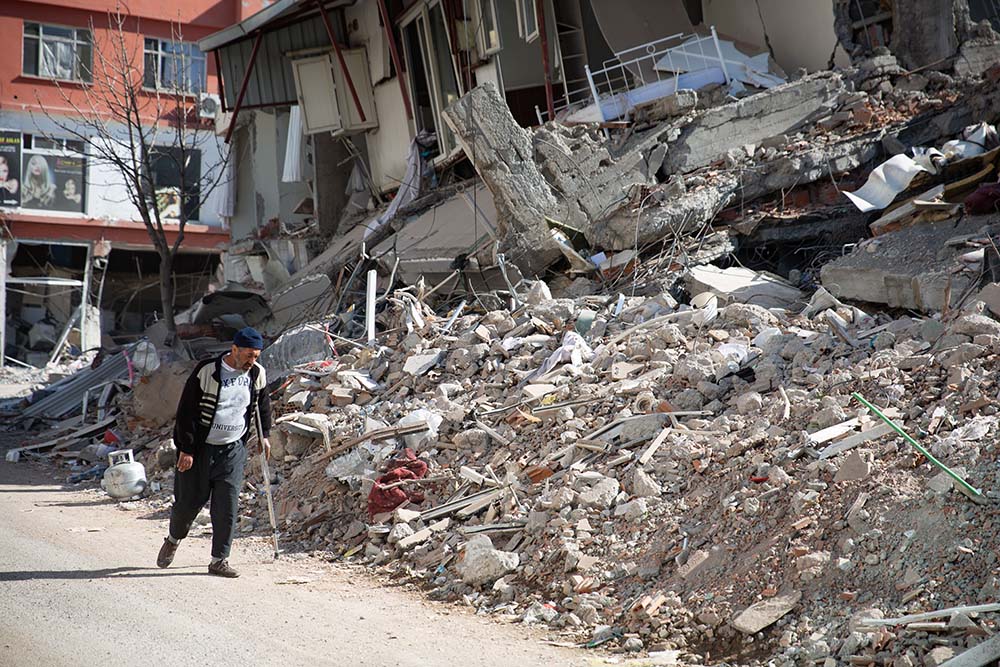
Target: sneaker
[(221, 569), (166, 555)]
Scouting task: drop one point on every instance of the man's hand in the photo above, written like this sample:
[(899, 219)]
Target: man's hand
[(184, 462), (265, 448)]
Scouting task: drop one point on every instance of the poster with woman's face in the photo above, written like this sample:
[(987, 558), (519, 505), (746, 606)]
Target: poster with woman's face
[(10, 168), (53, 182)]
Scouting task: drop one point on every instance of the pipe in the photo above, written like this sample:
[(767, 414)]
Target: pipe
[(976, 493), (390, 37), (544, 39), (340, 58), (243, 86)]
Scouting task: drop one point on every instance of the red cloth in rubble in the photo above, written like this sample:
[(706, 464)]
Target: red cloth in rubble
[(986, 199), (381, 499)]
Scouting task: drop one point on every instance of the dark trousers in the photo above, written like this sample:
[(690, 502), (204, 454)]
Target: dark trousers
[(217, 475)]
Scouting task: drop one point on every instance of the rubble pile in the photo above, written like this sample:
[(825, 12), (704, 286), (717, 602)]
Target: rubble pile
[(668, 477)]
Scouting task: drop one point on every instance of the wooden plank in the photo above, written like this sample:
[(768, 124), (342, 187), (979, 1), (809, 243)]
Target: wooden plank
[(977, 656), (653, 446), (852, 441)]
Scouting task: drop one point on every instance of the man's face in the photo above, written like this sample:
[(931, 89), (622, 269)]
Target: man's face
[(245, 357)]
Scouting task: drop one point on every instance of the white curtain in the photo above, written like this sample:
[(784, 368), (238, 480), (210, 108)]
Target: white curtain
[(292, 171)]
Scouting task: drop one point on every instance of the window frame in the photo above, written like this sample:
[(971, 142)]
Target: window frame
[(160, 54), (481, 9), (522, 17), (83, 69)]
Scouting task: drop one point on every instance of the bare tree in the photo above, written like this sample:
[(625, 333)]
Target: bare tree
[(137, 121)]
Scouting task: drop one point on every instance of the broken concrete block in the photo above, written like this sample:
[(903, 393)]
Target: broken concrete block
[(811, 565), (503, 156), (482, 564), (539, 613), (854, 468), (761, 614), (601, 494), (974, 325), (737, 284), (633, 510), (644, 486), (752, 120), (942, 482), (749, 403), (938, 656), (418, 364), (961, 355)]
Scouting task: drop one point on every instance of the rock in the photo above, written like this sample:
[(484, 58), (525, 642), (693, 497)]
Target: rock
[(811, 565), (418, 364), (538, 293), (632, 511), (853, 468), (601, 495), (482, 564), (399, 532), (973, 325), (633, 645), (960, 355), (536, 522), (884, 340), (644, 486), (931, 330), (539, 613), (938, 656), (761, 614), (942, 482), (602, 633), (749, 403)]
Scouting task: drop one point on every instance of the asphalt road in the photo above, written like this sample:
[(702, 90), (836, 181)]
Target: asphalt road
[(79, 586)]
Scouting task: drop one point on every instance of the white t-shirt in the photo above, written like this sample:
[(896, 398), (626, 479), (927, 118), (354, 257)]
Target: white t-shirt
[(229, 424)]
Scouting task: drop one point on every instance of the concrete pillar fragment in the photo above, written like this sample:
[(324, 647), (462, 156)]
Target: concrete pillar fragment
[(502, 154)]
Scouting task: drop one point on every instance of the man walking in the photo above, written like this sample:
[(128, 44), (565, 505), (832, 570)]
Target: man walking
[(214, 421)]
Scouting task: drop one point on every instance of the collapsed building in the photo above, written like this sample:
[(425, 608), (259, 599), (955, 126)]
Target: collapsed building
[(599, 362)]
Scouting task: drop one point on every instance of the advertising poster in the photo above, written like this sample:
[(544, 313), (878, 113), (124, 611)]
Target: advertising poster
[(53, 182), (10, 168)]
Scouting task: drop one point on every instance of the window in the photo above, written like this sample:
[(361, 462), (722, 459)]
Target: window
[(487, 28), (165, 174), (527, 20), (173, 66), (55, 52), (54, 177)]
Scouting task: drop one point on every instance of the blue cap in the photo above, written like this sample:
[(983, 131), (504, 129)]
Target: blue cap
[(249, 337)]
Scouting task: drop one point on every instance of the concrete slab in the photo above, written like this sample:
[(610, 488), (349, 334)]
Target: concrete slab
[(910, 268)]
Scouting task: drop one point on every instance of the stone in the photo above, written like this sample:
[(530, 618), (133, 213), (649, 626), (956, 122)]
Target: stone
[(990, 295), (811, 565), (853, 469), (402, 515), (418, 364), (601, 495), (633, 510), (761, 614), (482, 564), (538, 293), (399, 532), (539, 613), (942, 482), (644, 486), (884, 340), (961, 355), (938, 656), (633, 645), (749, 403), (973, 325)]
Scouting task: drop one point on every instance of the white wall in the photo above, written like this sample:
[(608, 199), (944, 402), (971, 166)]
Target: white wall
[(106, 193), (801, 32)]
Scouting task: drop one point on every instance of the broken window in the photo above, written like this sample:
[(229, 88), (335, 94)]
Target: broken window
[(56, 52), (433, 77), (173, 66), (171, 193)]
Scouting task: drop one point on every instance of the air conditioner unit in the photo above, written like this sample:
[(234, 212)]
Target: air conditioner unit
[(208, 105)]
